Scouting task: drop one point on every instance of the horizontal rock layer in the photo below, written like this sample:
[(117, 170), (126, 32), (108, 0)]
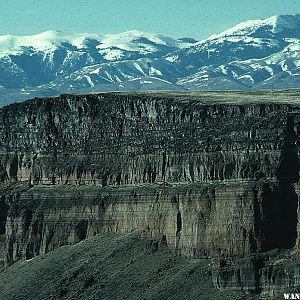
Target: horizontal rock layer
[(195, 220), (270, 274), (120, 139)]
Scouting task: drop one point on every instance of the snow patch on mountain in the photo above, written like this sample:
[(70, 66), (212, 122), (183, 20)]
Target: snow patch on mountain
[(262, 27)]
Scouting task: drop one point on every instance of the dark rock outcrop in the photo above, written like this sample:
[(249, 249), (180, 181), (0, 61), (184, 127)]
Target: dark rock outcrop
[(136, 138)]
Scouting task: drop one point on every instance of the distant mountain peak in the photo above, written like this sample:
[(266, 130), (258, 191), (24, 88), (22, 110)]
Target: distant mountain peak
[(279, 24), (253, 54), (283, 22), (51, 39), (136, 32)]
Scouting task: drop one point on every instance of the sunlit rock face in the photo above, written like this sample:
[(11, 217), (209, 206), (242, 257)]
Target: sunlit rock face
[(194, 221), (209, 175)]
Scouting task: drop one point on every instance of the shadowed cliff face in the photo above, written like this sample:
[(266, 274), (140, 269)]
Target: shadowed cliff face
[(278, 221), (3, 214)]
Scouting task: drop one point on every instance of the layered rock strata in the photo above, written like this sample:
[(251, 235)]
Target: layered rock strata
[(196, 220), (120, 139), (212, 175)]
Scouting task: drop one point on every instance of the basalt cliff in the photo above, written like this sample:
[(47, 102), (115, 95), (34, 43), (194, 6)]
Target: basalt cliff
[(209, 175)]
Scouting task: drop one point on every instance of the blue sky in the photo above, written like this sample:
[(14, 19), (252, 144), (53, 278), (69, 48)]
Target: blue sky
[(176, 18)]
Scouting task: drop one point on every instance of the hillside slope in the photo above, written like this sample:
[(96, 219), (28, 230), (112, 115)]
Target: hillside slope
[(110, 266)]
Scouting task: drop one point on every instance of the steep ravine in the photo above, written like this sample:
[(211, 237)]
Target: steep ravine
[(211, 175)]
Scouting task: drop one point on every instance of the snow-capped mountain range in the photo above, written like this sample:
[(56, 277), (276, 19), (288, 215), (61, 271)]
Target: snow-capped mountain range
[(254, 54)]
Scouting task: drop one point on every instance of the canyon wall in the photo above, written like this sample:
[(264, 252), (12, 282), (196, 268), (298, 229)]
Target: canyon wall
[(216, 221), (212, 175), (130, 139), (196, 220)]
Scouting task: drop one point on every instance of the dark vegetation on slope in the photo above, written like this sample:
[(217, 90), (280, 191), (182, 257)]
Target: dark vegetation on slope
[(110, 266)]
